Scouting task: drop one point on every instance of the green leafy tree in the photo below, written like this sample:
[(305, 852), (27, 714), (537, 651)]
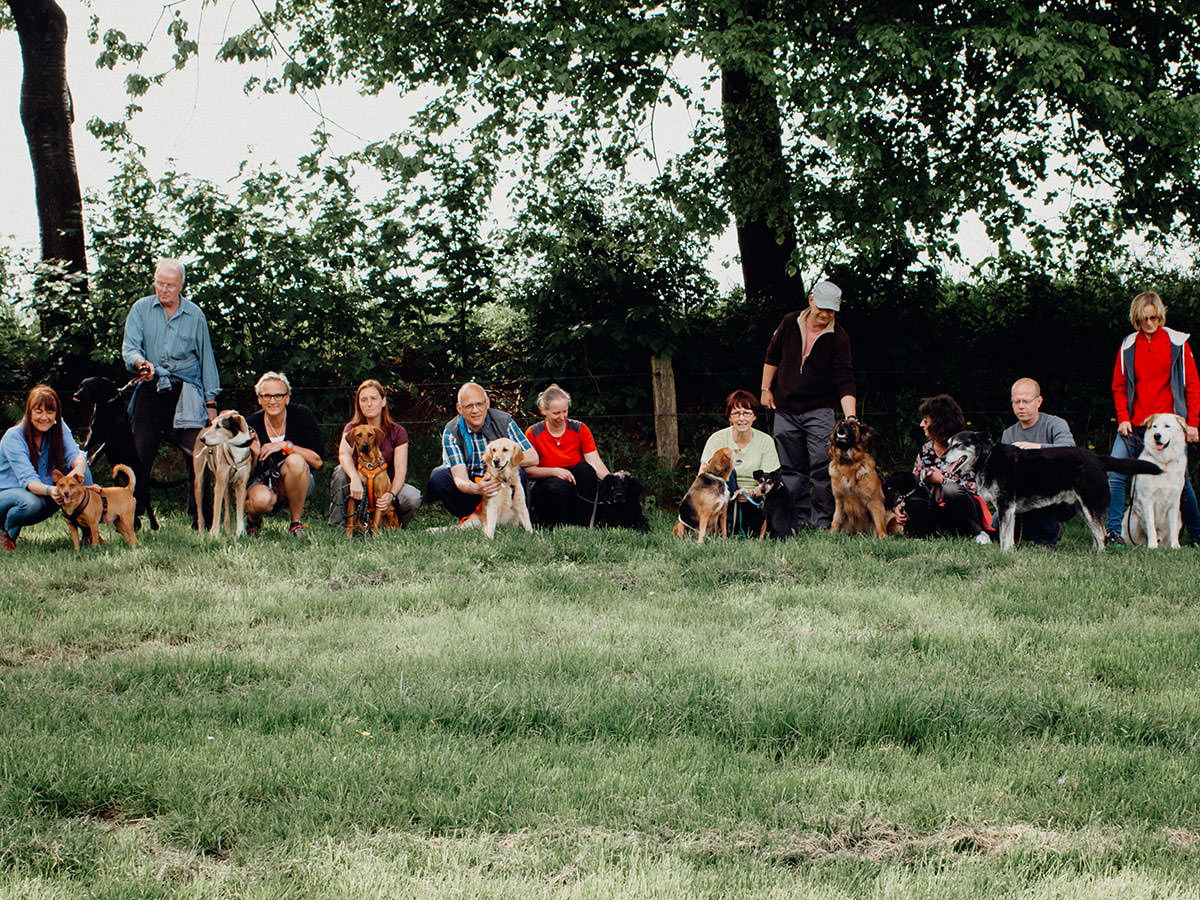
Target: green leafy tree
[(842, 128)]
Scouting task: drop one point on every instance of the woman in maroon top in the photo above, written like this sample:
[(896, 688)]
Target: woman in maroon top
[(370, 408)]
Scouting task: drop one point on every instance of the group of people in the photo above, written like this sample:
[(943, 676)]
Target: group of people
[(807, 375), (808, 371)]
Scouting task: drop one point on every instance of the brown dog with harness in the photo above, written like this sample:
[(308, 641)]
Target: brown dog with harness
[(364, 440), (85, 506)]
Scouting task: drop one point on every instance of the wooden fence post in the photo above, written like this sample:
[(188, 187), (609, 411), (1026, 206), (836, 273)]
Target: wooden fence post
[(666, 420)]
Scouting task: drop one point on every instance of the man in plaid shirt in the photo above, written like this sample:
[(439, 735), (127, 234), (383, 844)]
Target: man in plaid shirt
[(459, 482)]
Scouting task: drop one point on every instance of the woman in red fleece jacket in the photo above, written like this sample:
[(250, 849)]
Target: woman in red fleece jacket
[(1154, 373)]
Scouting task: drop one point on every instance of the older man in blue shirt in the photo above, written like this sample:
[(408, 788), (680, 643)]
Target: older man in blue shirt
[(167, 343)]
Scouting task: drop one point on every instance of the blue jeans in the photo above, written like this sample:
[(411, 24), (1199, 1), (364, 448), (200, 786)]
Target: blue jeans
[(20, 507), (1129, 448)]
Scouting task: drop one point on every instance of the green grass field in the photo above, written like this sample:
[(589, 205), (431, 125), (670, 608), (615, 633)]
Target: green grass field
[(578, 714)]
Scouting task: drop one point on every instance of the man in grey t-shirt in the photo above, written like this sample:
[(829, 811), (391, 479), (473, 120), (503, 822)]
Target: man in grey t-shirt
[(1033, 430)]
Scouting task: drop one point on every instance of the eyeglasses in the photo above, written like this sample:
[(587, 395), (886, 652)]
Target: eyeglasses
[(271, 396), (1151, 318), (479, 404), (741, 414)]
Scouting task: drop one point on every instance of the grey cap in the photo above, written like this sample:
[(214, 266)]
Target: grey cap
[(827, 295)]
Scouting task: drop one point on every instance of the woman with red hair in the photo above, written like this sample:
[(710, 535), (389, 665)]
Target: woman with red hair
[(29, 452)]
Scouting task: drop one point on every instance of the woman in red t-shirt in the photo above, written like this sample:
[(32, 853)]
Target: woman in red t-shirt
[(569, 466), (370, 408)]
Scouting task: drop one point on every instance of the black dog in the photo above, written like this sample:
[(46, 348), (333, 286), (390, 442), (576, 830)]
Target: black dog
[(777, 503), (956, 513), (109, 433), (1017, 480), (619, 502)]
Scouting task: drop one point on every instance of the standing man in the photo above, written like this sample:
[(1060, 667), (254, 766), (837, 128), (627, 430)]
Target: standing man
[(167, 344), (460, 482), (807, 370), (1033, 430)]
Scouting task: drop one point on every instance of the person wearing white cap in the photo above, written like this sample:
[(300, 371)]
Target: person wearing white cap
[(806, 372)]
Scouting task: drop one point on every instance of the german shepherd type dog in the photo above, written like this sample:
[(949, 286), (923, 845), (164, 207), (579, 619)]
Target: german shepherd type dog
[(1017, 480), (857, 489)]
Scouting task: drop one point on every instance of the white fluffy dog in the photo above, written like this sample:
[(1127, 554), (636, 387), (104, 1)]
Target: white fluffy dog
[(1153, 514)]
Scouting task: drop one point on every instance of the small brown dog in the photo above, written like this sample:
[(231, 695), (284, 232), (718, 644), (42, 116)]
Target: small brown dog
[(857, 489), (86, 506), (706, 504), (507, 506), (372, 469), (223, 450)]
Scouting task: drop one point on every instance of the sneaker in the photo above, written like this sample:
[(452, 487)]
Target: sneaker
[(9, 544), (298, 529), (982, 538), (1112, 539)]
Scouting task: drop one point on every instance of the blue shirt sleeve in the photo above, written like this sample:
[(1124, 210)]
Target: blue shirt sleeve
[(516, 434), (451, 453)]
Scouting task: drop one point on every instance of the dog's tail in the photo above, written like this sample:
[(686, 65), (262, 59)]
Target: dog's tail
[(123, 476), (1130, 466)]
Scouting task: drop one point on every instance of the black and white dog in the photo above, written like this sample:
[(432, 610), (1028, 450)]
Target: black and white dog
[(1017, 480)]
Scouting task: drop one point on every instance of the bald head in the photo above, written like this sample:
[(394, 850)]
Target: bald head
[(1026, 401), (472, 405)]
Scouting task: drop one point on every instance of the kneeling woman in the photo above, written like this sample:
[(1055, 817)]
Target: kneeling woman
[(29, 452), (570, 467), (944, 502), (370, 408)]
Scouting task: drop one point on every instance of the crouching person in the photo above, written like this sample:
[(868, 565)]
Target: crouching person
[(460, 482), (287, 448)]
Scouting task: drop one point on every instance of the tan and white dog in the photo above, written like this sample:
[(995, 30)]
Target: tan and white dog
[(1152, 518), (223, 450), (507, 506)]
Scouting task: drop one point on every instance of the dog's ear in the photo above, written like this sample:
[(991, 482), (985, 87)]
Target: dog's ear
[(518, 454), (379, 435), (1146, 421), (759, 475), (56, 475), (868, 433), (1182, 423)]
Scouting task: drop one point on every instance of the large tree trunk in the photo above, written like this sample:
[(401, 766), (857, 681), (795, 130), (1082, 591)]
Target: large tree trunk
[(47, 116), (759, 189)]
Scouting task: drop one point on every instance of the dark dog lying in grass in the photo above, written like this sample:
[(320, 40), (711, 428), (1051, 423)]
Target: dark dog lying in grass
[(619, 502)]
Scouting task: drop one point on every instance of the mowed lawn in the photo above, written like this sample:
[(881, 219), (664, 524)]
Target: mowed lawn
[(596, 714)]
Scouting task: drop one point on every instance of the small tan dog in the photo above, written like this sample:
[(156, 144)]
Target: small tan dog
[(86, 506), (223, 450), (507, 506), (364, 441), (705, 506)]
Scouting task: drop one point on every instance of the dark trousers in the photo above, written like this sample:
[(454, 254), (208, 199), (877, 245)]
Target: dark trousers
[(1041, 525), (441, 487), (802, 440), (554, 501), (151, 422)]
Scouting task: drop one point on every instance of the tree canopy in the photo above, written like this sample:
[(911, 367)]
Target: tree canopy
[(849, 128)]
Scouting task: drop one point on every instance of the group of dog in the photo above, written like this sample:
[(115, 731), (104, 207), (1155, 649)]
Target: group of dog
[(1013, 480), (223, 463)]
